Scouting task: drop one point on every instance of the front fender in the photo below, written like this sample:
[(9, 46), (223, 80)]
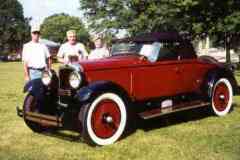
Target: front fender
[(34, 87), (88, 93)]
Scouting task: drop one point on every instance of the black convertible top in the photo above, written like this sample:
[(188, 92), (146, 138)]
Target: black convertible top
[(151, 37)]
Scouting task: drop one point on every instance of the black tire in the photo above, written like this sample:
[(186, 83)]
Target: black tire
[(30, 105), (104, 120), (222, 97)]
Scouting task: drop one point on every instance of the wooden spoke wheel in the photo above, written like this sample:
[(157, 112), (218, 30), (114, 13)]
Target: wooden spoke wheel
[(222, 97), (104, 120)]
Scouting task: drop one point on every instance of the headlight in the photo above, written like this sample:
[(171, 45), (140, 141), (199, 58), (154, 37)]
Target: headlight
[(46, 78), (75, 80)]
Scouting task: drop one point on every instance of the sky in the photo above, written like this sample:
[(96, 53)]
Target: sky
[(40, 9)]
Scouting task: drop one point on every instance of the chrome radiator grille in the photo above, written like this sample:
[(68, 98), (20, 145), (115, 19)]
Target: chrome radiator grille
[(65, 91), (64, 78)]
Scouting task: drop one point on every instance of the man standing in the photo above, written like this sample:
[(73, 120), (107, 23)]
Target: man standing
[(100, 51), (71, 49), (35, 56)]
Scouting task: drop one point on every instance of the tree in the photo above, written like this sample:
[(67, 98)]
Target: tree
[(196, 17), (221, 19), (136, 16), (55, 27), (14, 28)]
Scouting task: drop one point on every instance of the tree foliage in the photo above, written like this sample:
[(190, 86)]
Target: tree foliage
[(14, 28), (197, 17), (55, 27)]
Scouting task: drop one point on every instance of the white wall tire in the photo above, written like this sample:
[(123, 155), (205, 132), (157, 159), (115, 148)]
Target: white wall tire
[(222, 97), (104, 120)]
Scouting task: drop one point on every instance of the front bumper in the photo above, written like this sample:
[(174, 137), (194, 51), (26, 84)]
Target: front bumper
[(42, 119), (19, 112)]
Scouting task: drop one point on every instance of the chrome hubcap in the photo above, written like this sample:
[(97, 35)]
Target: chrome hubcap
[(108, 119), (221, 97)]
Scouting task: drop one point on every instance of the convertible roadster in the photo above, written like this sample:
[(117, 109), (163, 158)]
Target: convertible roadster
[(146, 76)]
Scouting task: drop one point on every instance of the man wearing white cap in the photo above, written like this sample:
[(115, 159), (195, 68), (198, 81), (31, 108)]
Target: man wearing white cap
[(71, 49), (35, 56), (100, 51)]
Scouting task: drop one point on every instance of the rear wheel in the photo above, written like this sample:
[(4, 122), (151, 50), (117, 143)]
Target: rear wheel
[(104, 119), (222, 97), (31, 105)]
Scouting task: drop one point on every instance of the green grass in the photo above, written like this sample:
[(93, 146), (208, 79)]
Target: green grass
[(190, 135)]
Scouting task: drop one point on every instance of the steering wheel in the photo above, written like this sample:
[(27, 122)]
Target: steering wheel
[(143, 58)]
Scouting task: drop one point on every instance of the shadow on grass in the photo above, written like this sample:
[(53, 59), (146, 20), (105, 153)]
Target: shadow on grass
[(176, 118), (65, 135), (146, 125)]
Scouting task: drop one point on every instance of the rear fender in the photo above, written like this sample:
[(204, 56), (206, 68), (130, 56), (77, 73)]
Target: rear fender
[(212, 77)]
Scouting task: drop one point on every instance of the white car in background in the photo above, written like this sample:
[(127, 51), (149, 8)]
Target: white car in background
[(220, 54)]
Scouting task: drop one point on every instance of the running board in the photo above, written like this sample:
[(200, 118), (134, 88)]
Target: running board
[(43, 119), (181, 107)]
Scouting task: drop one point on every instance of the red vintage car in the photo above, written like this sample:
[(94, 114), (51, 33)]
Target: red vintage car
[(146, 76)]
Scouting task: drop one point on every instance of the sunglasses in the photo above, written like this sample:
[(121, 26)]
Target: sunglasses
[(36, 32)]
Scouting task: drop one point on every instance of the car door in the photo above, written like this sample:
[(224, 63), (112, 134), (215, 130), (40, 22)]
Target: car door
[(188, 68), (188, 77), (157, 79)]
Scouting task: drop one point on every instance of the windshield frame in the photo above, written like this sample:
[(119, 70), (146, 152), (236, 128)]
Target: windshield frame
[(128, 47)]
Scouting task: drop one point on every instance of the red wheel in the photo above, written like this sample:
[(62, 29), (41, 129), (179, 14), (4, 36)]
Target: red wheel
[(222, 97), (104, 120)]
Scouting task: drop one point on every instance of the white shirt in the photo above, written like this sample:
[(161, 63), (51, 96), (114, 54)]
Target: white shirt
[(99, 53), (67, 50), (35, 54)]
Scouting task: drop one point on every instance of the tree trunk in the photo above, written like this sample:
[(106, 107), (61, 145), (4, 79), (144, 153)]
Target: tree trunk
[(228, 47)]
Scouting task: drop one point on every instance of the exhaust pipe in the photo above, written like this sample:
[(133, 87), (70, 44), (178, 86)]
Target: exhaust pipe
[(44, 119)]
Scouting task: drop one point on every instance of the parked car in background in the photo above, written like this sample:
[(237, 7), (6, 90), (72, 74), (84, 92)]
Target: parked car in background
[(14, 57), (220, 55), (147, 76), (52, 46), (4, 58)]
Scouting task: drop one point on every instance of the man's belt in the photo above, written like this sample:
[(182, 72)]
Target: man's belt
[(38, 69)]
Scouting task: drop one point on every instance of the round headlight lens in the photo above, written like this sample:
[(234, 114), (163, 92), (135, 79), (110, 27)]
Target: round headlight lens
[(46, 78), (75, 80)]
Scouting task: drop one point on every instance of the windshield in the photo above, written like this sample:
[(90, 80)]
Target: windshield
[(126, 48), (153, 51)]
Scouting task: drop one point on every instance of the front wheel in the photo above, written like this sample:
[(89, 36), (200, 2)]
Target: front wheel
[(222, 97), (104, 119)]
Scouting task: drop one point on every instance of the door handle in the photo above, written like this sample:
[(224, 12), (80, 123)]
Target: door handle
[(177, 70)]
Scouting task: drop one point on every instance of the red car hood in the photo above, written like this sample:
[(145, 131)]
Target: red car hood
[(110, 62)]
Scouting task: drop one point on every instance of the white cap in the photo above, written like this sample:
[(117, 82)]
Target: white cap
[(71, 32), (35, 28), (96, 37)]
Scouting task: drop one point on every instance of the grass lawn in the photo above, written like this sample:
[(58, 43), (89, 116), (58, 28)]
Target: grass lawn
[(183, 136)]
